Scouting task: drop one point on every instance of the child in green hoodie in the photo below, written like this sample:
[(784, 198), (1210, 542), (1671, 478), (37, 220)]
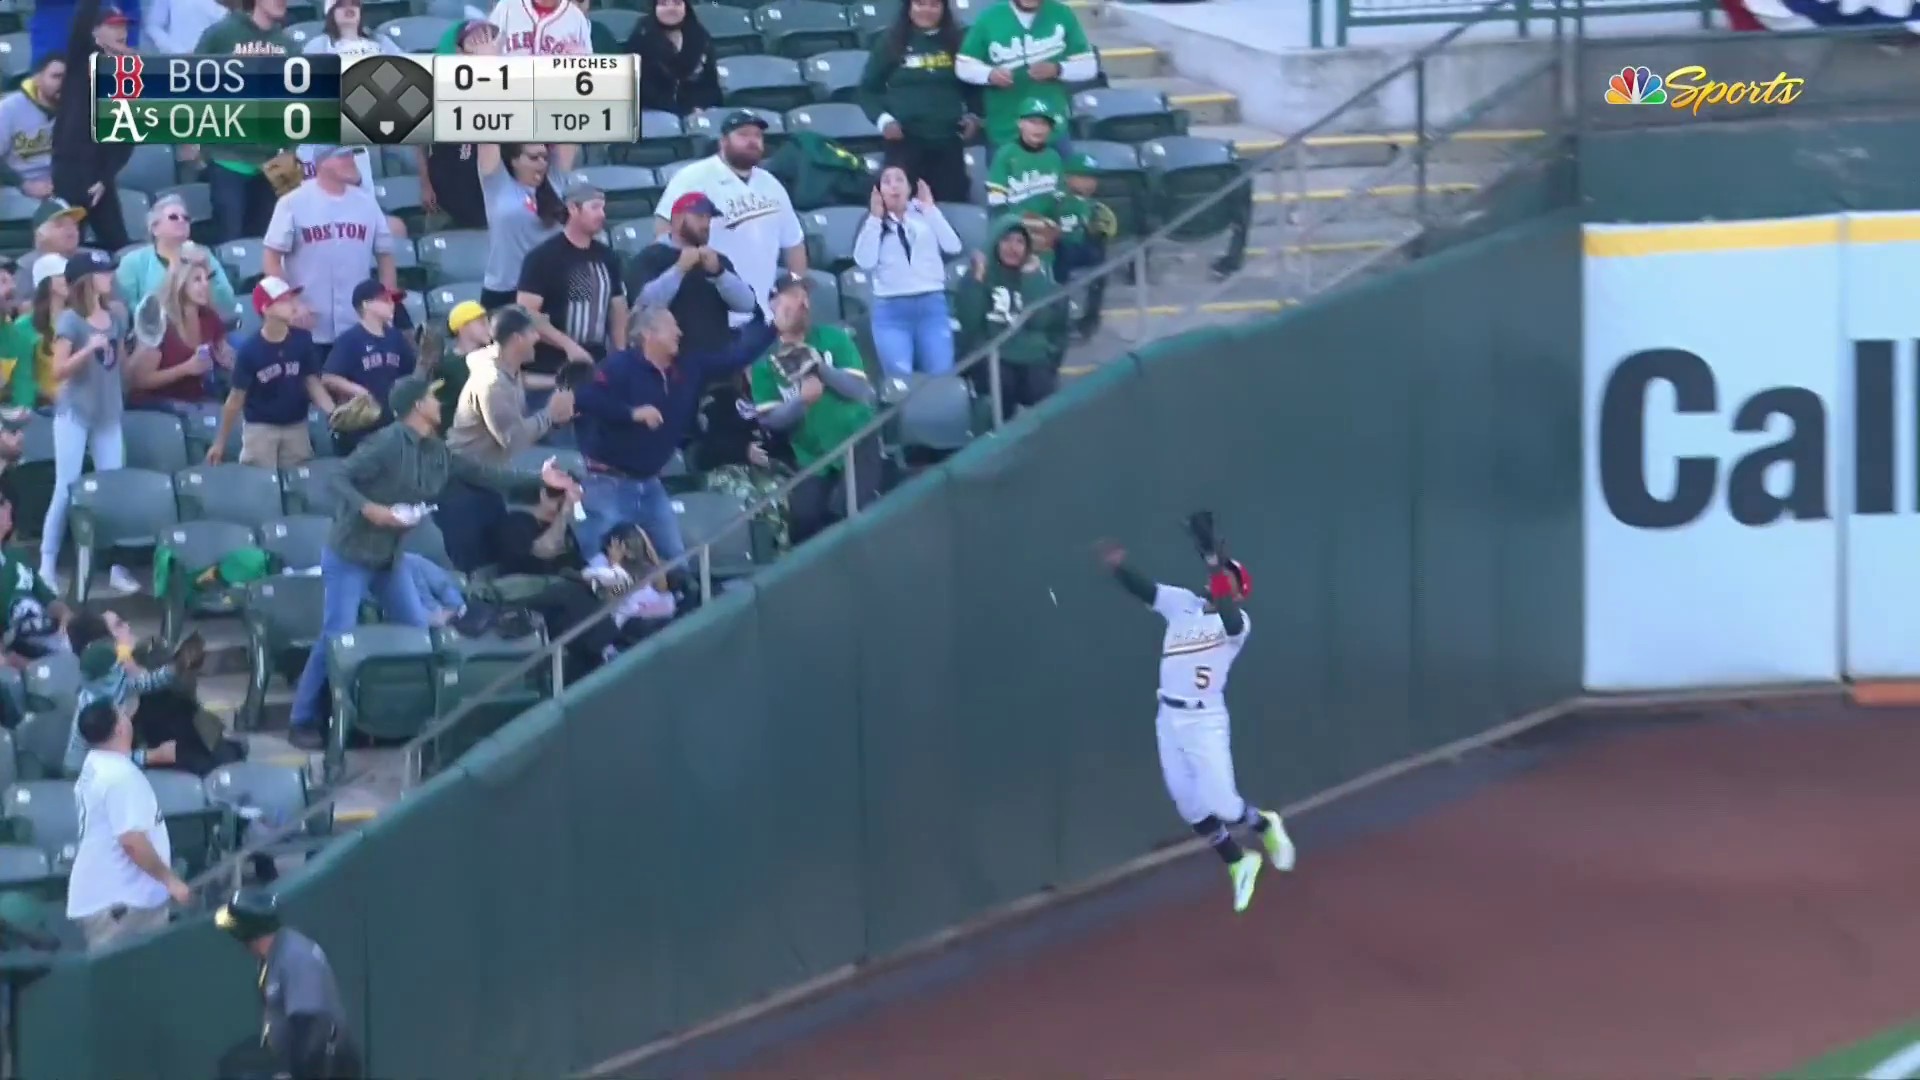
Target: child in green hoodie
[(1006, 289)]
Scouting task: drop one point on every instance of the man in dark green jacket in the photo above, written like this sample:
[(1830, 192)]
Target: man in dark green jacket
[(1007, 288), (386, 488)]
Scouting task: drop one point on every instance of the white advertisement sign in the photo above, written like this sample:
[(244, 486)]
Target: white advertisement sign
[(1752, 501)]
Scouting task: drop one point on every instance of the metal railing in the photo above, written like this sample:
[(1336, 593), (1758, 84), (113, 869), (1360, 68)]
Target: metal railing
[(1341, 17), (1310, 256)]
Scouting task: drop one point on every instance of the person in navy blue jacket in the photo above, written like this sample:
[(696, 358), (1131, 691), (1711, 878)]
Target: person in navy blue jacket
[(635, 412)]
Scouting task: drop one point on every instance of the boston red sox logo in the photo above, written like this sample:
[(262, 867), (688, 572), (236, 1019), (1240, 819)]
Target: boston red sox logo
[(127, 80)]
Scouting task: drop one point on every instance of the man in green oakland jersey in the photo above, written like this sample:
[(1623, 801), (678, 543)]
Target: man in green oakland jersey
[(1020, 50), (241, 194), (812, 387)]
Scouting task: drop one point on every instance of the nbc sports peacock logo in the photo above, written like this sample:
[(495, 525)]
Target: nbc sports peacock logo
[(1636, 86)]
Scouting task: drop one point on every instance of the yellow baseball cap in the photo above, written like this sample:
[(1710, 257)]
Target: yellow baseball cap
[(463, 313)]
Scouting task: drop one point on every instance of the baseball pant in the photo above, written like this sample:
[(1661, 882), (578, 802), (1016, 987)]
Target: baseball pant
[(1196, 761)]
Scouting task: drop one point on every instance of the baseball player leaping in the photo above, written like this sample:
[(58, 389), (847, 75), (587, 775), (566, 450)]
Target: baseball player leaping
[(1196, 758)]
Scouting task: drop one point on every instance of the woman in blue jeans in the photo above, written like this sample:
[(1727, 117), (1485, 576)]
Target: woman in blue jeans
[(903, 246)]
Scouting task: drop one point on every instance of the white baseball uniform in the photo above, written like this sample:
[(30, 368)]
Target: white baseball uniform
[(1195, 736), (528, 30)]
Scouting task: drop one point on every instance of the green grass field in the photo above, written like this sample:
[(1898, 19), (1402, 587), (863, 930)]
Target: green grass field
[(1890, 1055)]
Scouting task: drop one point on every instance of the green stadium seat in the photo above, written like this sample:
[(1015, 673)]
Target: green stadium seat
[(965, 11), (399, 196), (663, 139), (396, 161), (16, 219), (197, 199), (731, 29), (415, 33), (703, 128), (631, 190), (304, 9), (407, 271), (1125, 115), (37, 438), (870, 20), (704, 517), (245, 494), (620, 22), (824, 291), (302, 32), (384, 680), (1123, 182), (52, 683), (40, 743), (154, 440), (469, 669), (295, 541), (16, 56), (283, 618), (628, 237), (1184, 170), (801, 28), (133, 206), (835, 75), (936, 414), (150, 169), (202, 424), (121, 508), (308, 489), (273, 795), (970, 223), (23, 866), (194, 823), (9, 759), (453, 254), (668, 170), (763, 82), (44, 814), (244, 262), (198, 546), (442, 298), (845, 124), (830, 231), (976, 158), (856, 297)]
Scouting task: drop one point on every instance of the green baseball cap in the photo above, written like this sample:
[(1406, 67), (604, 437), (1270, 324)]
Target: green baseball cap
[(98, 660), (1039, 110), (1081, 165), (56, 207), (409, 392)]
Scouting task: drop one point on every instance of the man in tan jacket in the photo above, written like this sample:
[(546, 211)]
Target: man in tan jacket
[(491, 424)]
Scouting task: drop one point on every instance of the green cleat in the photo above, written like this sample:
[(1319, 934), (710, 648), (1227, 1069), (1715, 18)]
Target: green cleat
[(1245, 873), (1279, 844)]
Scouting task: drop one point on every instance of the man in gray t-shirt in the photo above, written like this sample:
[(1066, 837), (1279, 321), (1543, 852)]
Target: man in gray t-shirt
[(324, 236)]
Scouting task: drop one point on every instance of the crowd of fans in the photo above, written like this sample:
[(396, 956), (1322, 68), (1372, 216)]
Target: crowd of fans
[(704, 352)]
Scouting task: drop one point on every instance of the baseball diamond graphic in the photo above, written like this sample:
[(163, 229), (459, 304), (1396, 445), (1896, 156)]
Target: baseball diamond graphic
[(386, 98)]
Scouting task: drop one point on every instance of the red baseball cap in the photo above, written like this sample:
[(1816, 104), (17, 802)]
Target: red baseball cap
[(694, 203), (269, 290)]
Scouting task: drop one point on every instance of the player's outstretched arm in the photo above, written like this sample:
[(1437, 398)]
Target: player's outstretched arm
[(1115, 558)]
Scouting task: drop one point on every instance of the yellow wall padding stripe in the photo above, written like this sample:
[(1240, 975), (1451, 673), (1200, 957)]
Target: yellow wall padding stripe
[(1713, 236), (1883, 229)]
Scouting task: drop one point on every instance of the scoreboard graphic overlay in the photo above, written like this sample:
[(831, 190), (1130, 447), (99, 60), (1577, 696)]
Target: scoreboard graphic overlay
[(283, 101)]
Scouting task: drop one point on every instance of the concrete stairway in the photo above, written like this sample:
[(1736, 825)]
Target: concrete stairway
[(1337, 182)]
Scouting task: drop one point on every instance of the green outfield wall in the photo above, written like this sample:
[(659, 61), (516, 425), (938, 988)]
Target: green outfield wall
[(944, 706)]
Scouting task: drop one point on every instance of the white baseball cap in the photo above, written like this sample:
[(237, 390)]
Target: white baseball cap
[(269, 290), (48, 266)]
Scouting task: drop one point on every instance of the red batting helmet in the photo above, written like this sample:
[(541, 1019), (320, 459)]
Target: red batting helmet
[(1230, 579)]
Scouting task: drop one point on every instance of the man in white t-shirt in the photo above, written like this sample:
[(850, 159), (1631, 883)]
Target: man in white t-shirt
[(122, 874), (754, 225)]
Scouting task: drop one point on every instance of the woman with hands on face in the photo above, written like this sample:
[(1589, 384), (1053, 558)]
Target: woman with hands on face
[(903, 246)]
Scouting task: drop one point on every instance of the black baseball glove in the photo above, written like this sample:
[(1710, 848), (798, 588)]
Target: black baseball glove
[(1200, 527)]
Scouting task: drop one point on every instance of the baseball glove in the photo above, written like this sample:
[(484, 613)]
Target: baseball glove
[(357, 413), (283, 171), (1200, 527), (1102, 222)]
